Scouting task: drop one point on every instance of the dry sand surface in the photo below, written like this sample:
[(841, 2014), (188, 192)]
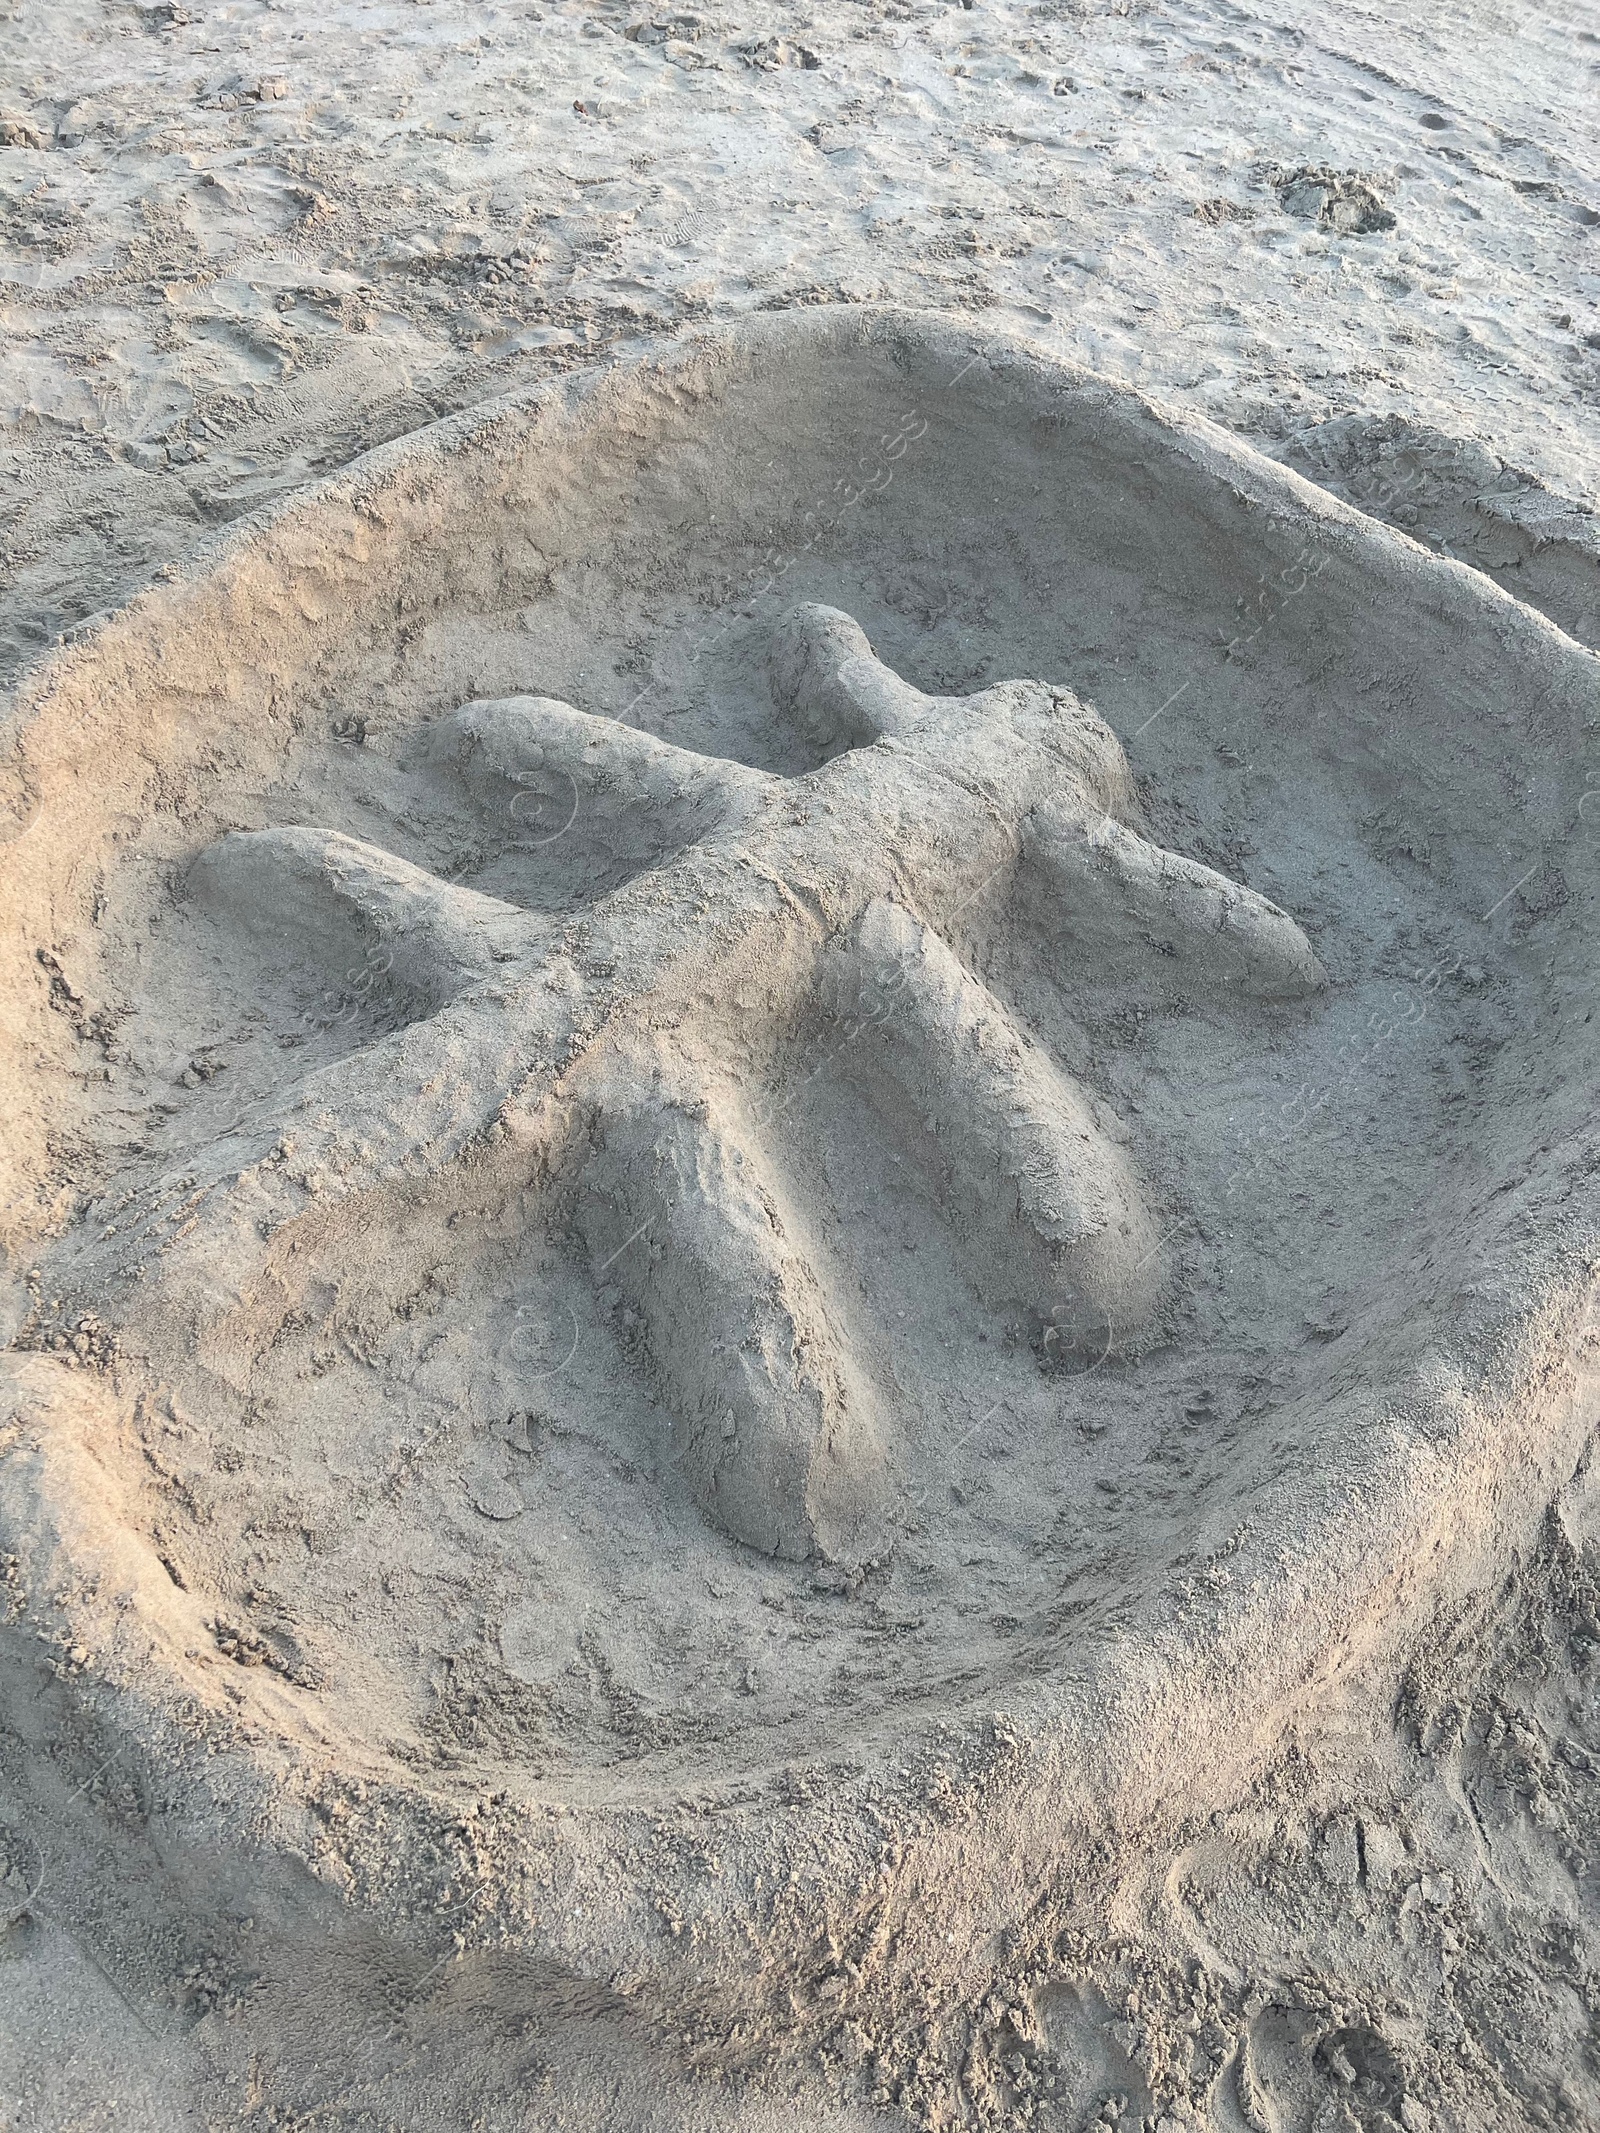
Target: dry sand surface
[(798, 847)]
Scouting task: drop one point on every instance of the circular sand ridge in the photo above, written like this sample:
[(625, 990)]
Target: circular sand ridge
[(397, 1497)]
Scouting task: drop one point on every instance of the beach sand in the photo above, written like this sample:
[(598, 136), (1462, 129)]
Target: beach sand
[(799, 857)]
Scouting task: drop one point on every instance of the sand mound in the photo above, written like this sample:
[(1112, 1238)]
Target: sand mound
[(660, 1222)]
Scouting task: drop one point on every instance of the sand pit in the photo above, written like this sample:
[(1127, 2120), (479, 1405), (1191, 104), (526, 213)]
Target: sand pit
[(789, 1133)]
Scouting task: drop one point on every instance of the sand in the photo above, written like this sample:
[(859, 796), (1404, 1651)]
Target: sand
[(799, 1177)]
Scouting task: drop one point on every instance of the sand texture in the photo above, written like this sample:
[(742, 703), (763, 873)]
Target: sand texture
[(800, 1205)]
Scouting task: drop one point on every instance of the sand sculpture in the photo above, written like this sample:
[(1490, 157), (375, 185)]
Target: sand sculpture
[(789, 897), (793, 1250)]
